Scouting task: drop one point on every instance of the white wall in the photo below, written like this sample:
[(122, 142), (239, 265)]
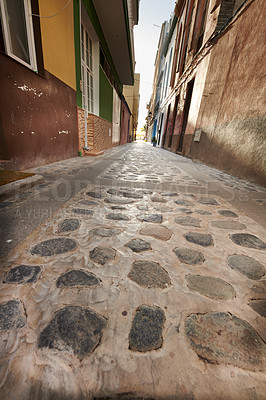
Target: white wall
[(116, 117)]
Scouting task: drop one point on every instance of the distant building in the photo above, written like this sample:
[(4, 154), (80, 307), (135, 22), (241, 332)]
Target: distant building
[(213, 105), (63, 66), (131, 93), (155, 116)]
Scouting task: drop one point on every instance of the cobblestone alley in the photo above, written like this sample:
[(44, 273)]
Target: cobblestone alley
[(149, 283)]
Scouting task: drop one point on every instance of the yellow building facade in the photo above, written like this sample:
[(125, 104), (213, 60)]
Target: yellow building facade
[(58, 40), (131, 94)]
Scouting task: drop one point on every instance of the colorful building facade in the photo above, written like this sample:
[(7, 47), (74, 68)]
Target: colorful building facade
[(214, 104), (62, 77)]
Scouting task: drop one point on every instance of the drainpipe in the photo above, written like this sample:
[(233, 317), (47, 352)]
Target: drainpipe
[(81, 88), (86, 130)]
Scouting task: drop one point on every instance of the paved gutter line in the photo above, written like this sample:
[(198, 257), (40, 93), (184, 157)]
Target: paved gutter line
[(10, 189)]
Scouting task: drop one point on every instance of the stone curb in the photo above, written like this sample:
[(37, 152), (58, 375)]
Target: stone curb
[(10, 189)]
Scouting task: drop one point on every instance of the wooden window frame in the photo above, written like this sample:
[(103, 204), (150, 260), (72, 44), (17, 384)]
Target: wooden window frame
[(177, 45), (200, 24), (182, 59)]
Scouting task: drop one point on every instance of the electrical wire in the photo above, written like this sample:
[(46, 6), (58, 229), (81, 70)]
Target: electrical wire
[(54, 15)]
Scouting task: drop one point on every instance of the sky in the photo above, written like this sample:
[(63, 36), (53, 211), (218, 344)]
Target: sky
[(146, 37)]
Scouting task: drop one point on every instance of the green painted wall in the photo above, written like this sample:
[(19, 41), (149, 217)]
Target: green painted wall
[(106, 97), (77, 50), (97, 26)]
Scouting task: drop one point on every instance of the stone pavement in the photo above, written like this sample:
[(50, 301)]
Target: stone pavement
[(146, 284)]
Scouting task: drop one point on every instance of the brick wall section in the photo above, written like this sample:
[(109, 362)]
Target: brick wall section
[(98, 132)]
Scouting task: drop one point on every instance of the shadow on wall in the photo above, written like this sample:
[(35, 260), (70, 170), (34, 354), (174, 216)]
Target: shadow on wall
[(235, 148)]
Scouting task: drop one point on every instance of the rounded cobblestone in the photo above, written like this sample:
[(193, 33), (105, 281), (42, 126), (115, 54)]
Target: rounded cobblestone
[(82, 211), (185, 210), (12, 315), (227, 213), (188, 221), (189, 256), (215, 288), (248, 240), (77, 278), (208, 201), (185, 203), (202, 239), (203, 212), (158, 232), (23, 274), (74, 329), (138, 245), (95, 195), (149, 274), (105, 232), (102, 255), (132, 195), (69, 225), (246, 266), (259, 306), (55, 246), (155, 218), (223, 338), (147, 328), (89, 203), (169, 194), (117, 217), (118, 200)]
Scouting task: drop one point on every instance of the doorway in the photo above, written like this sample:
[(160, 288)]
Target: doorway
[(173, 121), (166, 125), (185, 113), (160, 128)]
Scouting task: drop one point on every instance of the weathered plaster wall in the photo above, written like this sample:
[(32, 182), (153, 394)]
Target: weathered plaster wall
[(232, 112), (58, 40), (38, 116)]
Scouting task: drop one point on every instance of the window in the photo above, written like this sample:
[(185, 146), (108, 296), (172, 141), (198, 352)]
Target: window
[(183, 53), (168, 71), (200, 22), (107, 70), (177, 45), (86, 70), (18, 31), (164, 81)]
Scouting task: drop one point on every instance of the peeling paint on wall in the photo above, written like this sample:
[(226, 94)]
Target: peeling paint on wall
[(25, 88), (66, 132), (29, 105)]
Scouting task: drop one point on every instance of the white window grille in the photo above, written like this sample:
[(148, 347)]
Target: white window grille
[(87, 70)]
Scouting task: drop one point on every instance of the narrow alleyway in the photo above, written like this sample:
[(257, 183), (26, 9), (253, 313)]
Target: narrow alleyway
[(148, 283)]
